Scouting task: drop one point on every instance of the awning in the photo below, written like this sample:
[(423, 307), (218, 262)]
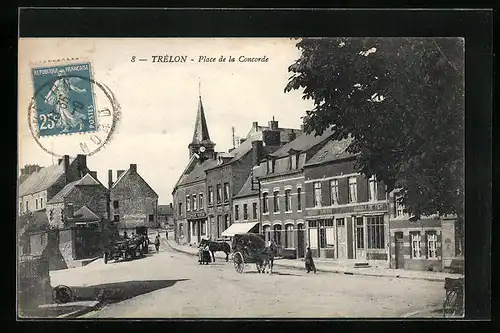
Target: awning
[(238, 228)]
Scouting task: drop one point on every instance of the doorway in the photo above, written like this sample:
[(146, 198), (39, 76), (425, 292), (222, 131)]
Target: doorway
[(341, 239), (399, 254), (360, 238), (300, 241)]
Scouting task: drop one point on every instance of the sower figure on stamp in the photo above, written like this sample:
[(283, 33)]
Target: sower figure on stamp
[(309, 261), (67, 116)]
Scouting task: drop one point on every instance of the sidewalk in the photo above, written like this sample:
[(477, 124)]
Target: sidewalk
[(335, 267)]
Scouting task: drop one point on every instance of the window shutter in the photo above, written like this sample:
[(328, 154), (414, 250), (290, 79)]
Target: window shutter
[(362, 184), (343, 191)]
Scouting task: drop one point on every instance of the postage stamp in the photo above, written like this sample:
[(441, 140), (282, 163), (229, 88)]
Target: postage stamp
[(64, 99)]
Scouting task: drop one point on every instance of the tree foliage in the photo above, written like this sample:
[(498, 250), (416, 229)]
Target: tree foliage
[(401, 100)]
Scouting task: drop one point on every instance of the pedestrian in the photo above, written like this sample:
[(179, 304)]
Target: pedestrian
[(166, 234), (125, 235), (309, 261), (157, 243)]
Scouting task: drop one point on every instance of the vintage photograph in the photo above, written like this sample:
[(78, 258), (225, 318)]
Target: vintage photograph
[(241, 178)]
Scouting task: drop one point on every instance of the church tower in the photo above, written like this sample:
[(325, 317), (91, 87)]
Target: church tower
[(201, 143)]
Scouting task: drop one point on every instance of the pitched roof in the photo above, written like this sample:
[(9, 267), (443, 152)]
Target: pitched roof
[(43, 179), (254, 133), (85, 214), (198, 172), (246, 189), (302, 143), (164, 210), (200, 134), (87, 180), (332, 150)]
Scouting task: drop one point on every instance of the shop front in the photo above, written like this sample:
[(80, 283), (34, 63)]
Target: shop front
[(352, 232), (197, 227)]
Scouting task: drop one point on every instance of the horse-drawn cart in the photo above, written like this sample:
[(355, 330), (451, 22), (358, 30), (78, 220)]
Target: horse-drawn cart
[(251, 249), (126, 249)]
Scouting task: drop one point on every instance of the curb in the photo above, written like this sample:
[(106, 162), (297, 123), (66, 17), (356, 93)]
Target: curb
[(432, 279)]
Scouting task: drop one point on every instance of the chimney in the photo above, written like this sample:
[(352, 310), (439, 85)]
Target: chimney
[(66, 168), (119, 173), (273, 125), (242, 140), (81, 164), (110, 179), (133, 168), (256, 152), (93, 174), (255, 125)]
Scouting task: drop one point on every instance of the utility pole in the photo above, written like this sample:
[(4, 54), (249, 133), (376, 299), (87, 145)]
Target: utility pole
[(234, 143)]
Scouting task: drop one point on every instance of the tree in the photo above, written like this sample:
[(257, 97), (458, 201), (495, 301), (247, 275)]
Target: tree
[(401, 100)]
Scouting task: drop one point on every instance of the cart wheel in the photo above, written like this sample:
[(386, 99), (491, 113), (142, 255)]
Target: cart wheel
[(62, 294), (239, 263)]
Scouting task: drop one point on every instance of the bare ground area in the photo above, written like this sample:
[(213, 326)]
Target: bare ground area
[(173, 285)]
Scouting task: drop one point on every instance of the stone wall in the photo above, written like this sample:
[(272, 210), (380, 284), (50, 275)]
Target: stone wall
[(33, 283)]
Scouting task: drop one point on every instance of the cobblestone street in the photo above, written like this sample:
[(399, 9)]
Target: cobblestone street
[(169, 284)]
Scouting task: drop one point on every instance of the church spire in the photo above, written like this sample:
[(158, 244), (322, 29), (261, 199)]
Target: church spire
[(201, 137)]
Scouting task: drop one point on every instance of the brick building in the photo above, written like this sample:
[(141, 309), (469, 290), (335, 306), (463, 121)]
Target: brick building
[(132, 201), (228, 177), (426, 244), (347, 214), (282, 189), (189, 193)]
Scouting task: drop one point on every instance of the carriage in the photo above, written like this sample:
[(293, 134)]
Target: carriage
[(250, 248), (132, 248)]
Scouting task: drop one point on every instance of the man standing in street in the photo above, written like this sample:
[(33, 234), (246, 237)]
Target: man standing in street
[(309, 261), (157, 243), (166, 234)]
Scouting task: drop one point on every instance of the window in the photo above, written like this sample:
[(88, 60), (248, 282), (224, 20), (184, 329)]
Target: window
[(151, 218), (276, 201), (36, 203), (431, 245), (226, 192), (194, 202), (254, 210), (334, 192), (297, 157), (70, 209), (289, 236), (317, 194), (41, 202), (375, 231), (181, 230), (115, 204), (267, 232), (219, 193), (372, 189), (116, 218), (273, 164), (245, 212), (210, 195), (203, 228), (288, 200), (353, 191), (360, 235), (277, 234), (180, 208), (299, 199), (226, 221), (290, 159), (415, 244), (399, 207), (269, 166), (236, 212), (219, 231), (51, 215), (188, 203), (200, 200), (265, 207)]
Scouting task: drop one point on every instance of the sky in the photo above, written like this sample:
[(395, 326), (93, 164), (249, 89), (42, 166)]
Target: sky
[(159, 100)]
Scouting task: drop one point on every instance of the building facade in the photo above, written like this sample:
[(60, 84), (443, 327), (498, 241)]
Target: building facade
[(132, 201), (347, 214), (282, 193), (166, 216)]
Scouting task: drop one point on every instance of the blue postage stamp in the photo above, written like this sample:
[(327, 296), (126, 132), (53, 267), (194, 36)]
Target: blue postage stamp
[(64, 99)]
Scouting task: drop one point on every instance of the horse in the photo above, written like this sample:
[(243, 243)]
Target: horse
[(267, 260), (216, 247)]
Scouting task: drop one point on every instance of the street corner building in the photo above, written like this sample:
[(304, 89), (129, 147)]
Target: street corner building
[(62, 212), (203, 195), (133, 204)]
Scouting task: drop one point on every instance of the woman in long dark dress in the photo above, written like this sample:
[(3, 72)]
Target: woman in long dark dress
[(309, 261)]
